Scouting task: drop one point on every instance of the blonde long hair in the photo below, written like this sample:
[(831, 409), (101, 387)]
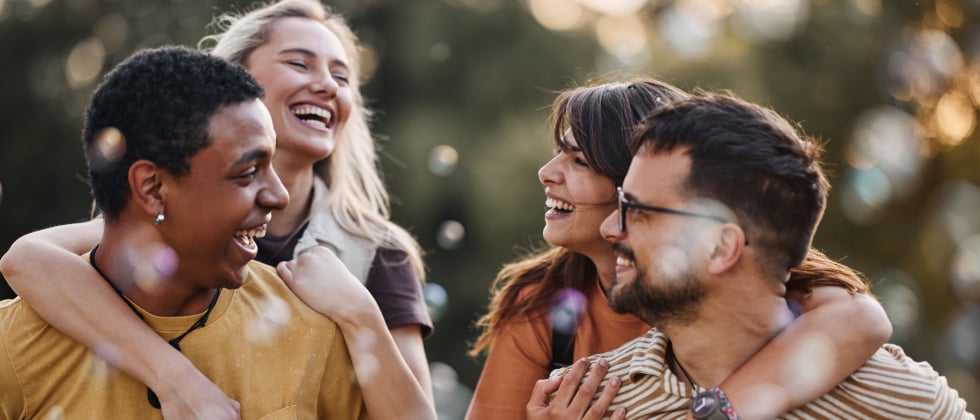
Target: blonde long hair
[(358, 200)]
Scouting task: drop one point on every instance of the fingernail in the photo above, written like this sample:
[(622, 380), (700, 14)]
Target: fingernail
[(621, 411), (614, 381), (604, 363)]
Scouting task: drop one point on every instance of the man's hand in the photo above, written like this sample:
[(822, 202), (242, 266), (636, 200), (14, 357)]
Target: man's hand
[(573, 397)]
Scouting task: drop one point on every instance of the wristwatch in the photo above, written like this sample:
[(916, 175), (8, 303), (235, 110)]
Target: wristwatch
[(712, 404)]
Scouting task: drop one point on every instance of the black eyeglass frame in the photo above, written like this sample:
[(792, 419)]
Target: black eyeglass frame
[(626, 203)]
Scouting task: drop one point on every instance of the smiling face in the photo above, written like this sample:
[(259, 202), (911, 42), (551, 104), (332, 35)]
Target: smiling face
[(578, 199), (213, 212), (305, 73), (660, 256)]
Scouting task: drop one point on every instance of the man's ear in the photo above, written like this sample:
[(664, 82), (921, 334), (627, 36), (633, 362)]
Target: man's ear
[(145, 185), (729, 247)]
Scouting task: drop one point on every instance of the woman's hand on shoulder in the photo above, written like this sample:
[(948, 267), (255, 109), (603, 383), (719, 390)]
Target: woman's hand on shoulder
[(321, 280), (572, 397)]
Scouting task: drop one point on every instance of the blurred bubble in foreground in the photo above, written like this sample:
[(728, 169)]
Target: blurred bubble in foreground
[(965, 270), (568, 310), (442, 160), (273, 315), (436, 300), (56, 412), (963, 337), (451, 397), (108, 146), (450, 235)]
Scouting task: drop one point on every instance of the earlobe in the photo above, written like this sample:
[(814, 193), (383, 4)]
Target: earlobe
[(729, 245), (145, 186)]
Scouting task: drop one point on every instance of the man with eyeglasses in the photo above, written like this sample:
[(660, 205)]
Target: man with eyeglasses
[(179, 147), (720, 202)]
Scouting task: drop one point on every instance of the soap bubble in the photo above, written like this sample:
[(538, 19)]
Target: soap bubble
[(568, 310)]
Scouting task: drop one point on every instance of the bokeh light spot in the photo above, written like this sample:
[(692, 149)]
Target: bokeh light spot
[(56, 412), (84, 62), (958, 206), (963, 337), (436, 300), (152, 263), (1, 193), (867, 7), (899, 295), (439, 51), (443, 160), (673, 263), (557, 15), (965, 270), (450, 235), (614, 7), (688, 29), (812, 365), (866, 191), (568, 309), (112, 30), (108, 146), (621, 36), (273, 315), (770, 20), (955, 118), (949, 13)]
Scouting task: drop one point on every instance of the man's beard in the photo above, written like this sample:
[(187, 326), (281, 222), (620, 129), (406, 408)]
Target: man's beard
[(675, 302)]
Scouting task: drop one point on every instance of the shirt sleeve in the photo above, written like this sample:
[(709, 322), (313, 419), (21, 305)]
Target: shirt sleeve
[(397, 290), (948, 404), (518, 358)]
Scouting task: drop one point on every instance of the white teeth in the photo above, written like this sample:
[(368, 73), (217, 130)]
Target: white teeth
[(624, 261), (308, 110), (552, 203), (249, 235)]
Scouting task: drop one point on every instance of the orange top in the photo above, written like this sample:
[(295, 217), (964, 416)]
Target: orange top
[(521, 353)]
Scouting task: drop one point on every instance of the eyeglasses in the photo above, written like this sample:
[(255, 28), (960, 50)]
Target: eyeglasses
[(626, 203)]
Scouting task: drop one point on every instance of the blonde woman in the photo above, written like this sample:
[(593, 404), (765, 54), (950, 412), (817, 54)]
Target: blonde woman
[(307, 61)]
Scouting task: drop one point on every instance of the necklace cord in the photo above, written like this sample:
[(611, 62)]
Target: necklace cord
[(687, 377), (175, 343)]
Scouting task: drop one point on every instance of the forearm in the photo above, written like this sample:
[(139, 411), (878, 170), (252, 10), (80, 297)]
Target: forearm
[(836, 334), (390, 388), (84, 307)]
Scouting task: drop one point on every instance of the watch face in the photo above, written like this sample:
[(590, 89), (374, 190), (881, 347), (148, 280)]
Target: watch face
[(703, 405)]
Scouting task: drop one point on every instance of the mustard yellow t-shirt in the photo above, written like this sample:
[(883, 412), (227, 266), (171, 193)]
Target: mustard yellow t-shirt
[(262, 346)]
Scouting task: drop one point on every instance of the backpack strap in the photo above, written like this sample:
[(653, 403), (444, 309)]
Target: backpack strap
[(562, 347)]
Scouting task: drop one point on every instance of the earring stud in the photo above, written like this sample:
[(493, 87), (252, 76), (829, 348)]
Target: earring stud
[(159, 219)]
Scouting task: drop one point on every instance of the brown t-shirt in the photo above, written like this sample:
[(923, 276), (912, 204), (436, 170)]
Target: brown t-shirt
[(391, 280)]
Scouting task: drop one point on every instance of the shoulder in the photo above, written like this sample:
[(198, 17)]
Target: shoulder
[(265, 290), (892, 385), (642, 355)]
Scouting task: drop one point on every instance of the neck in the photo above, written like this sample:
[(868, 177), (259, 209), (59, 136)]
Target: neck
[(605, 263), (299, 184), (121, 257), (726, 333)]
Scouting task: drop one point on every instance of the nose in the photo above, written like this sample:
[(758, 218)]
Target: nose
[(274, 195), (325, 85), (609, 229), (550, 173)]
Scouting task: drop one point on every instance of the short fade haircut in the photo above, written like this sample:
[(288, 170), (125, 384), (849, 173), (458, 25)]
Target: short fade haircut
[(752, 160), (161, 101)]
